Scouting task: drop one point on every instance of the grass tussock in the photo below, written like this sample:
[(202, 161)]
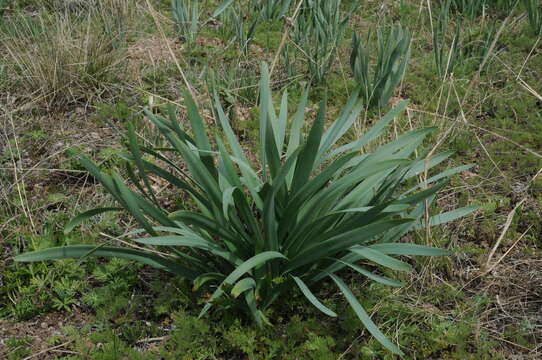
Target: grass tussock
[(61, 57)]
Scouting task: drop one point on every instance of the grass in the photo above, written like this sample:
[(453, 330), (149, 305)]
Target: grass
[(452, 308), (59, 59)]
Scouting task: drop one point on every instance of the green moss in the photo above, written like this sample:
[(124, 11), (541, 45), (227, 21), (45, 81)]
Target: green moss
[(18, 347)]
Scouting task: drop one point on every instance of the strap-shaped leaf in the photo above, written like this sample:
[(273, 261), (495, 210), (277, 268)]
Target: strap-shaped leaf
[(309, 153), (282, 121), (295, 137), (342, 124), (191, 242), (175, 181), (200, 137), (205, 278), (243, 285), (79, 251), (380, 279), (373, 133), (448, 216), (440, 176), (241, 270), (133, 145), (200, 173), (313, 300), (408, 249), (79, 219), (130, 202), (250, 298), (426, 164), (222, 7), (364, 317), (381, 258), (341, 242), (204, 223), (227, 201), (270, 224)]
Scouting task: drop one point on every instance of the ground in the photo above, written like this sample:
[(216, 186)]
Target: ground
[(72, 76)]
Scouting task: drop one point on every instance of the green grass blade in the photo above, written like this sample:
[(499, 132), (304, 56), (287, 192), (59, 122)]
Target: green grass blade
[(243, 285), (312, 299), (408, 249), (242, 269), (342, 242), (79, 251), (380, 279), (364, 317), (200, 137), (221, 8), (381, 258), (79, 219), (449, 216), (309, 153)]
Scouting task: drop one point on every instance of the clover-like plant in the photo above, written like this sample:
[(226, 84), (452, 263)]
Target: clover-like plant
[(254, 231)]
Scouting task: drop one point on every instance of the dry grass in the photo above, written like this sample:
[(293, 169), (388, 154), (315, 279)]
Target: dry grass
[(63, 58)]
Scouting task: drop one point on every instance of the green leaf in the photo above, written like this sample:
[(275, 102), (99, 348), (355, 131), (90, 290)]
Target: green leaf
[(136, 153), (309, 153), (343, 241), (220, 9), (376, 256), (408, 249), (79, 219), (364, 317), (280, 131), (79, 251), (190, 241), (250, 298), (373, 133), (313, 300), (130, 202), (205, 278), (241, 270), (243, 285), (448, 216), (202, 141), (380, 279), (442, 175)]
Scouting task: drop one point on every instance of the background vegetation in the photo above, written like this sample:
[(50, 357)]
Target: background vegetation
[(74, 73)]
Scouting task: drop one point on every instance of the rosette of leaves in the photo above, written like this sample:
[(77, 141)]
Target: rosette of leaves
[(309, 207), (271, 9), (318, 30), (186, 15), (392, 53)]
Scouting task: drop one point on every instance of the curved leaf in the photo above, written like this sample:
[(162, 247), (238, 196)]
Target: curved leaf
[(380, 279), (448, 216), (364, 317), (79, 219), (408, 249), (381, 258), (313, 300), (79, 251), (243, 285)]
